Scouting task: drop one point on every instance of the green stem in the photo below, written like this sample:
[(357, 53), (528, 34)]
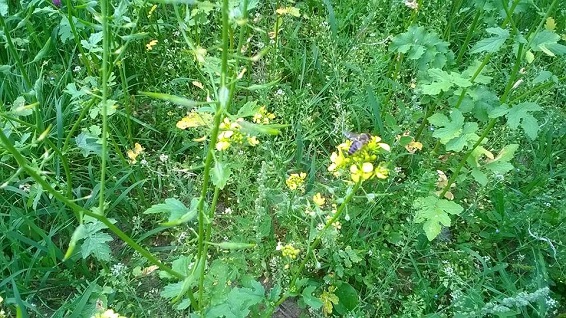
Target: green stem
[(104, 82), (313, 246), (78, 210)]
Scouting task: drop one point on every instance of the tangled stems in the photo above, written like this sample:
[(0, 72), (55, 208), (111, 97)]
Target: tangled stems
[(314, 245)]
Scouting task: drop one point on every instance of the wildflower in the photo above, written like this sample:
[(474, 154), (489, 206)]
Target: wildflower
[(318, 199), (263, 116), (253, 141), (288, 250), (328, 298), (108, 314), (359, 163), (57, 3), (413, 146), (134, 153), (163, 157), (289, 11), (194, 119), (200, 54), (412, 4), (151, 44), (296, 181)]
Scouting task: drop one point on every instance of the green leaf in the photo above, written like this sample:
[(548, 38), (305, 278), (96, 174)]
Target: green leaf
[(178, 212), (239, 302), (95, 245), (547, 42), (426, 48), (220, 174), (434, 212), (452, 127), (309, 299), (44, 50), (492, 44), (255, 129), (479, 176), (89, 143), (3, 8), (249, 109), (443, 81), (520, 115), (500, 164), (172, 98), (348, 298)]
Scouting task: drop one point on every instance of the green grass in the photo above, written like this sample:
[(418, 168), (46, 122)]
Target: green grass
[(189, 230)]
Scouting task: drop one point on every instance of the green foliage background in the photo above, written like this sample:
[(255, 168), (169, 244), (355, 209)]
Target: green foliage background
[(479, 83)]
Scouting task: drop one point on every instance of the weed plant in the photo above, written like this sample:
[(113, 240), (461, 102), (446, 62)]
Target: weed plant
[(282, 159)]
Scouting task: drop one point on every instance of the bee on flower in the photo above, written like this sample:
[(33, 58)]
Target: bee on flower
[(357, 156)]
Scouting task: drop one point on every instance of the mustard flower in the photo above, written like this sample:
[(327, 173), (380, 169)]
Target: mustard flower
[(108, 314), (288, 250), (296, 181), (358, 161), (151, 44), (134, 153), (263, 116), (318, 199)]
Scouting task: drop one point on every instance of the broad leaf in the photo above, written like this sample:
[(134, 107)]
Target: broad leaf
[(434, 213), (492, 44)]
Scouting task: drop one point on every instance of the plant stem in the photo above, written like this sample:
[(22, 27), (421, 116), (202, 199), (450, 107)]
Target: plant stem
[(312, 246)]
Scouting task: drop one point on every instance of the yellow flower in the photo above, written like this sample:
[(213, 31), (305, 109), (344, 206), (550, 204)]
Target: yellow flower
[(134, 153), (359, 163), (289, 10), (328, 298), (194, 119), (288, 250), (222, 145), (263, 116), (296, 181), (151, 44), (108, 314), (318, 199), (253, 141), (381, 171)]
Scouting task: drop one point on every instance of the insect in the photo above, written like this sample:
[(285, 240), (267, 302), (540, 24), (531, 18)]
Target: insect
[(358, 141)]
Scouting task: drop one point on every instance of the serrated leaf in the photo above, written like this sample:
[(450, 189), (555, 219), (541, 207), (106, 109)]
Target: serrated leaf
[(467, 137), (178, 212), (520, 115), (547, 42), (95, 245), (220, 174), (89, 144), (452, 127), (498, 111), (434, 213), (492, 44)]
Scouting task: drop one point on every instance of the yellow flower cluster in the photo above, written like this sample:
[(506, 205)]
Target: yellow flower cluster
[(359, 163), (108, 314), (318, 199), (296, 181), (263, 116), (289, 251), (134, 153), (231, 133)]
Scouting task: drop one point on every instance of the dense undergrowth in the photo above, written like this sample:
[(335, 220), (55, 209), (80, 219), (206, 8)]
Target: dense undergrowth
[(286, 159)]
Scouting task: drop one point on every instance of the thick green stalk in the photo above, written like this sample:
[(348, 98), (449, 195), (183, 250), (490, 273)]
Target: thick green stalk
[(298, 271), (221, 107), (104, 99)]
